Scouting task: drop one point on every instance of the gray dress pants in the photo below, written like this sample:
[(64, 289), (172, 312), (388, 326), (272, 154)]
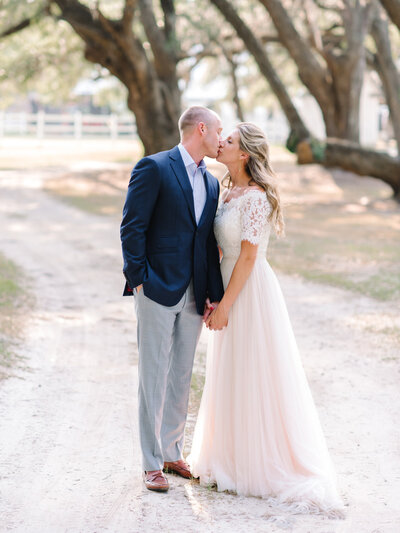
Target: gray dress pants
[(167, 339)]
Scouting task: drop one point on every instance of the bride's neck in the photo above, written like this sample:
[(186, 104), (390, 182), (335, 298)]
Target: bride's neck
[(238, 175)]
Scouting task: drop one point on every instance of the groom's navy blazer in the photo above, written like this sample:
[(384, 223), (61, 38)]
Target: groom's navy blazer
[(163, 247)]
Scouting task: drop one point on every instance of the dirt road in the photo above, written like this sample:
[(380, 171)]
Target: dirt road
[(70, 458)]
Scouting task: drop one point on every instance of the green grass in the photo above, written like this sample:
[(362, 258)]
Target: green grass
[(196, 388), (357, 252), (382, 286), (12, 302), (333, 236), (8, 290), (95, 204), (8, 283), (196, 391), (95, 192)]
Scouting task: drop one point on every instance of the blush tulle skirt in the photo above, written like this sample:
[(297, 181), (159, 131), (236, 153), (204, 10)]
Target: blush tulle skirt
[(258, 432)]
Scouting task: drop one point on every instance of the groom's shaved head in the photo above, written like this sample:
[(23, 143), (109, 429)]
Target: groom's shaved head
[(193, 115)]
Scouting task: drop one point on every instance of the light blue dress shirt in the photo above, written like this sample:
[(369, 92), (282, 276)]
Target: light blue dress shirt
[(196, 177)]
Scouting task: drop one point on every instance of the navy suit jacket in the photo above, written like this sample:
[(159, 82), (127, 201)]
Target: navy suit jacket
[(162, 246)]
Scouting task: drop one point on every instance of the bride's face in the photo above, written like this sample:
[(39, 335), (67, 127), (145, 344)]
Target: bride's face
[(229, 151)]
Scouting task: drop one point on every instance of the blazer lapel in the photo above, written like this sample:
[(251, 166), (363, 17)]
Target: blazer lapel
[(209, 198), (181, 174)]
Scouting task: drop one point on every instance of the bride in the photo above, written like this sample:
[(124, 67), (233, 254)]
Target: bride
[(257, 432)]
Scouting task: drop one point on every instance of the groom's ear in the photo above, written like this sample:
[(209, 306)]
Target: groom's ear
[(202, 127)]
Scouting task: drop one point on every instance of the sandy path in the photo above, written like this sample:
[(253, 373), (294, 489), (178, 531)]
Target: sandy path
[(70, 457)]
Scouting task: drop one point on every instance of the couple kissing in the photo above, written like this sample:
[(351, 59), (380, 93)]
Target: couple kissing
[(257, 431)]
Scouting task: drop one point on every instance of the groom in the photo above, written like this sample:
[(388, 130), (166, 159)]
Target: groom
[(171, 265)]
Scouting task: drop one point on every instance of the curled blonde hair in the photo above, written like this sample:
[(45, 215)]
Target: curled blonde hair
[(253, 142)]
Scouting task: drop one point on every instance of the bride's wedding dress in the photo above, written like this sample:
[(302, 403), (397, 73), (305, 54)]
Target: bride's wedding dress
[(258, 431)]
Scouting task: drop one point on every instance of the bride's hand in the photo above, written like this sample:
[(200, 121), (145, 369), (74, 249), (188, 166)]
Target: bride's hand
[(218, 319), (208, 309)]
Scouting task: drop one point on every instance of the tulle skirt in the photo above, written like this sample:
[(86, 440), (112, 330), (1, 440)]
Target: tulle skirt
[(258, 432)]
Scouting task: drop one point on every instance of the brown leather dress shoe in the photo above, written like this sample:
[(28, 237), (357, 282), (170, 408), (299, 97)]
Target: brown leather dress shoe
[(155, 480), (178, 467)]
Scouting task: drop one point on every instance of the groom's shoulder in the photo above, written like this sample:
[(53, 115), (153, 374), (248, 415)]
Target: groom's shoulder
[(158, 158), (154, 164), (166, 155), (161, 157)]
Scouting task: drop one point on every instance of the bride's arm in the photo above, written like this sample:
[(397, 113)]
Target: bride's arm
[(241, 271)]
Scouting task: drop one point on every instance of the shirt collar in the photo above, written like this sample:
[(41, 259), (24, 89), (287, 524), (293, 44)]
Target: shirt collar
[(188, 160)]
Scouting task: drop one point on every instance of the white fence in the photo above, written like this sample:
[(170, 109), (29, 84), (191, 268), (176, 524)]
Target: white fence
[(76, 125)]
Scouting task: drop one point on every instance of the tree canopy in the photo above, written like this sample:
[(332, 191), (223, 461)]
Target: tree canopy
[(152, 47)]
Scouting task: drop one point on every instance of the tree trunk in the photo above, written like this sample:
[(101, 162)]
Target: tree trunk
[(235, 86), (342, 118), (298, 129), (387, 71), (351, 156), (157, 127), (337, 85), (393, 9), (153, 93)]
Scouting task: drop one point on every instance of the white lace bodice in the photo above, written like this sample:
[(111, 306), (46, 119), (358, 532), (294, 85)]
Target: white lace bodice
[(243, 218)]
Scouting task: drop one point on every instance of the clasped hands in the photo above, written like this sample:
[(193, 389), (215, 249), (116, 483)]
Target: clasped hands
[(215, 315)]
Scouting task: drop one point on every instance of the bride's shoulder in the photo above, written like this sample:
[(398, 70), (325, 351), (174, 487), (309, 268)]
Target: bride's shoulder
[(255, 200), (257, 189), (254, 194), (224, 194)]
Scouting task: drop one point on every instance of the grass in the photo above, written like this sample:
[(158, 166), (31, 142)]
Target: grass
[(196, 388), (8, 284), (12, 304), (371, 269), (342, 230), (196, 391), (341, 236), (96, 204), (99, 193)]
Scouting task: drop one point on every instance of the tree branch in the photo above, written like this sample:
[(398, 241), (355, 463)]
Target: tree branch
[(364, 162), (235, 86), (315, 34), (357, 21), (269, 39), (169, 18), (323, 5), (164, 55), (257, 49), (128, 15), (387, 71), (207, 51), (24, 23), (393, 9), (104, 43), (309, 68)]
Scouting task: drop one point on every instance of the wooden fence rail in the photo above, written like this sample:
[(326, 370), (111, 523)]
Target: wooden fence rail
[(79, 125), (75, 125)]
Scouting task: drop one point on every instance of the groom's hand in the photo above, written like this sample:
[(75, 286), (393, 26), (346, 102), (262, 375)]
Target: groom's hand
[(209, 308)]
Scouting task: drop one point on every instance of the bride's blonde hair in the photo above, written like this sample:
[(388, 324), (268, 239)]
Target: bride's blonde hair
[(253, 142)]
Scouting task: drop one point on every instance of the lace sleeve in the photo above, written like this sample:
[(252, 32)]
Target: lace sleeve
[(254, 210)]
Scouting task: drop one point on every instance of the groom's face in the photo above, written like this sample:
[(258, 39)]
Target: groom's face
[(212, 137)]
